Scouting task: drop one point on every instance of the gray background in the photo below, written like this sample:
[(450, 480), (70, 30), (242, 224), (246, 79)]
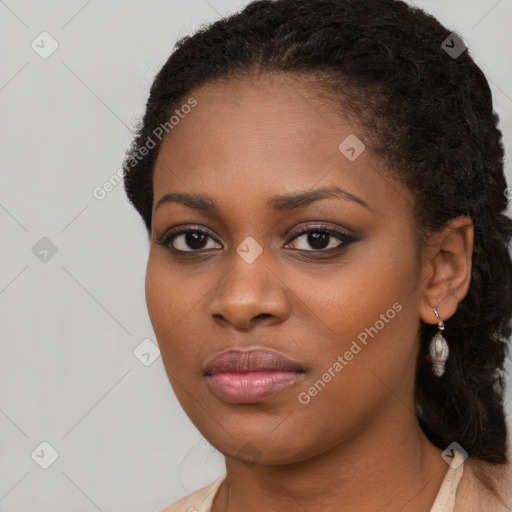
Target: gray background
[(70, 321)]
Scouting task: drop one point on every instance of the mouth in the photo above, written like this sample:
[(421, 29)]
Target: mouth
[(241, 376)]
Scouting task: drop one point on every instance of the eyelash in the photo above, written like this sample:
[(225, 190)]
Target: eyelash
[(345, 240)]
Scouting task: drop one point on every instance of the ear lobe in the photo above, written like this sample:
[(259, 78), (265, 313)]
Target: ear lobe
[(448, 269)]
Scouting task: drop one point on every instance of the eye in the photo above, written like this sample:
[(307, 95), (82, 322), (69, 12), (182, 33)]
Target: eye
[(188, 240), (195, 240), (321, 238)]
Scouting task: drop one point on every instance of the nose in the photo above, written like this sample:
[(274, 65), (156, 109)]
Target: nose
[(250, 293)]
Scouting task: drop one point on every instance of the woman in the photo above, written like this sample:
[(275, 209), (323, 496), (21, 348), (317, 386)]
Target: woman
[(329, 278)]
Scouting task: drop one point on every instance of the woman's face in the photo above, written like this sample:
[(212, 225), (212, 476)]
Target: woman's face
[(339, 302)]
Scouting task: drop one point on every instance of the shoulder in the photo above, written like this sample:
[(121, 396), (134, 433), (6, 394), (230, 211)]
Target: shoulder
[(198, 501), (475, 489)]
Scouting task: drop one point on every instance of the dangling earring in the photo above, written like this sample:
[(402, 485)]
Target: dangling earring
[(438, 349)]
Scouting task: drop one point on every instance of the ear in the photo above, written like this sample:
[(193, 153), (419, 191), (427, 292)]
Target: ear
[(447, 269)]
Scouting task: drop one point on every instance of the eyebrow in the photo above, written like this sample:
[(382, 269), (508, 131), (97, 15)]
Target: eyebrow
[(280, 203)]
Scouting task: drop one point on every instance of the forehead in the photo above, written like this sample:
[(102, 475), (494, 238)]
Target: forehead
[(259, 137)]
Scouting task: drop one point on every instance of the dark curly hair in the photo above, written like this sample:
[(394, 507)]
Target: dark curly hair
[(429, 116)]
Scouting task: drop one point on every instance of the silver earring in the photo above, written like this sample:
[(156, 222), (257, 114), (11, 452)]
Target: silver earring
[(438, 349)]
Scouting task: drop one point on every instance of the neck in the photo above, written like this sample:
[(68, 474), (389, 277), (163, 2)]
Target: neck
[(404, 468)]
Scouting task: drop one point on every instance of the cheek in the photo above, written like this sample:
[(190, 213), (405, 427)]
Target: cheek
[(169, 294), (171, 311), (370, 314), (158, 296), (176, 302), (170, 307), (353, 297)]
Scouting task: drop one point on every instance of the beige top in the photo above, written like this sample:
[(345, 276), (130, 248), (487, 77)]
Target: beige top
[(202, 499)]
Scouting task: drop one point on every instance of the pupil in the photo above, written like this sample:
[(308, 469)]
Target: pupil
[(195, 240), (317, 239)]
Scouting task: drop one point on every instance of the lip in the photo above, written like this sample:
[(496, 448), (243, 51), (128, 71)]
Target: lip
[(244, 376)]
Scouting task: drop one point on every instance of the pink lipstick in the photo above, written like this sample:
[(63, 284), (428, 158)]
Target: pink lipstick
[(243, 376)]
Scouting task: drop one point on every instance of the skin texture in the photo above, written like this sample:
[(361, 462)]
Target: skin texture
[(356, 445)]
